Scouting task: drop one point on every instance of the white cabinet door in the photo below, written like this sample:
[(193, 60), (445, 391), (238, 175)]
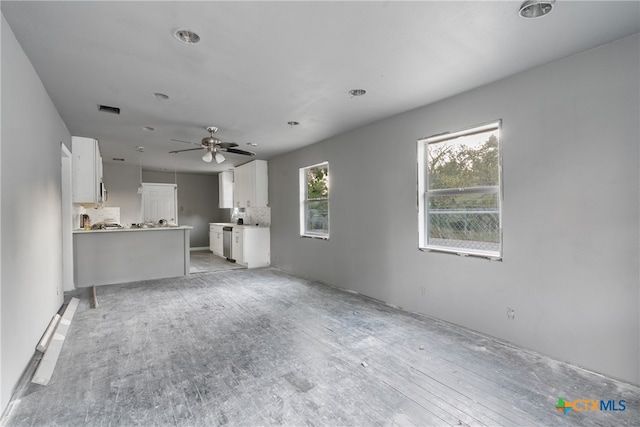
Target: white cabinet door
[(159, 201), (216, 239), (237, 245), (86, 166), (239, 187), (251, 184), (252, 246), (225, 189), (217, 243)]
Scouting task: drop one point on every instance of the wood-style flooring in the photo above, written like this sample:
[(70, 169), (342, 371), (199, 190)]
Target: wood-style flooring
[(262, 347)]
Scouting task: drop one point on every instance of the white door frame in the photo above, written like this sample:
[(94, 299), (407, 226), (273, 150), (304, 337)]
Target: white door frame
[(67, 219), (175, 198)]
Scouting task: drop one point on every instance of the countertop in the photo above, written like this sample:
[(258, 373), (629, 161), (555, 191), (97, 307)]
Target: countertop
[(120, 230), (234, 225)]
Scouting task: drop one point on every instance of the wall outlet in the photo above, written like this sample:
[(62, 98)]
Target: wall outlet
[(423, 291), (511, 313)]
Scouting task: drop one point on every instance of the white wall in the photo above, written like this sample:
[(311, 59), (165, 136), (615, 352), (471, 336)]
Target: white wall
[(31, 281), (571, 212)]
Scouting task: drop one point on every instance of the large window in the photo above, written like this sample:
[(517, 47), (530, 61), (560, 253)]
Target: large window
[(460, 192), (314, 201)]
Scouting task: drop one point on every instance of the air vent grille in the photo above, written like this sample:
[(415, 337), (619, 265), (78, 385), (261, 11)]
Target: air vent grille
[(108, 109)]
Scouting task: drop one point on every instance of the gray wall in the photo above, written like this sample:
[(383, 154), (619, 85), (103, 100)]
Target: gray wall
[(122, 183), (31, 275), (197, 197), (571, 213)]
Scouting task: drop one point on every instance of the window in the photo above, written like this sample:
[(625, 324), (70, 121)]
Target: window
[(314, 201), (460, 192)]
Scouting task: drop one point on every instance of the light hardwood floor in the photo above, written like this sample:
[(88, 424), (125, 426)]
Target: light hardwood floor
[(262, 347)]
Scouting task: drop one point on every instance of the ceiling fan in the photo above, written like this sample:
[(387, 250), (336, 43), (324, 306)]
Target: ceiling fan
[(214, 147)]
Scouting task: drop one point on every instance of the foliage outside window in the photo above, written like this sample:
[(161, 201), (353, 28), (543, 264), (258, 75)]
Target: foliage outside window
[(314, 201), (460, 193)]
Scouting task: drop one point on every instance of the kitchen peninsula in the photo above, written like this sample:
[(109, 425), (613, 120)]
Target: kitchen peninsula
[(103, 257)]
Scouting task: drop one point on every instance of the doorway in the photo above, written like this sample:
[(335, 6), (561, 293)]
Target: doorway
[(159, 201)]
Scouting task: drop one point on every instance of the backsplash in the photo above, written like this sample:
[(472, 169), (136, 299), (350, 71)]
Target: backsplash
[(110, 215), (260, 216)]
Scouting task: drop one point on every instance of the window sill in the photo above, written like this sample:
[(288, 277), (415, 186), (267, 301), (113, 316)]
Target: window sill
[(492, 256), (314, 236)]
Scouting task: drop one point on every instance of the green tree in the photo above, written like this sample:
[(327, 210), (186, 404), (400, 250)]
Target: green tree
[(460, 166), (453, 166), (317, 183)]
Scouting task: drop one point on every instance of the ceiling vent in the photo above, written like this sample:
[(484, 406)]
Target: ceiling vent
[(107, 109)]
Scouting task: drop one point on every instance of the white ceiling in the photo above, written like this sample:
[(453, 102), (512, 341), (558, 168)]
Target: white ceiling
[(261, 64)]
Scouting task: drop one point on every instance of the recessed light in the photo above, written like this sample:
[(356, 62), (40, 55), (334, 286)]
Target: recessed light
[(139, 149), (187, 36), (293, 123), (535, 8), (149, 128), (161, 96), (357, 92)]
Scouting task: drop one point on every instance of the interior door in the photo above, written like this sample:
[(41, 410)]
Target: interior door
[(159, 201)]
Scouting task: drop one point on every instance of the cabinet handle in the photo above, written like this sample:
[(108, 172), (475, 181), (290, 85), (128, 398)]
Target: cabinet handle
[(248, 203)]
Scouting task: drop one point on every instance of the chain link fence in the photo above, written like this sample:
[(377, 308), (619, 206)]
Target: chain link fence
[(465, 229)]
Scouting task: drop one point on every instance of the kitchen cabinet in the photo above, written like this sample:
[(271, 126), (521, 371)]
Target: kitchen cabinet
[(225, 189), (87, 185), (251, 246), (144, 254), (215, 239), (251, 185)]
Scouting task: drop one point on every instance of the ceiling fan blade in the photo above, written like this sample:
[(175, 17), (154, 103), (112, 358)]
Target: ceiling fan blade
[(186, 142), (238, 151), (227, 144), (188, 149)]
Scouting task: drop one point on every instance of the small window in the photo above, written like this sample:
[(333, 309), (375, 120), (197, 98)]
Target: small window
[(314, 201), (460, 192)]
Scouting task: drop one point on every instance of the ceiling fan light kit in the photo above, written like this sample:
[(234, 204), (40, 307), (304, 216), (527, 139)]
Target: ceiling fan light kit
[(219, 157), (214, 147)]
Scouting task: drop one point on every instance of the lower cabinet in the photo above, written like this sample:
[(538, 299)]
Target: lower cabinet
[(215, 239), (251, 246)]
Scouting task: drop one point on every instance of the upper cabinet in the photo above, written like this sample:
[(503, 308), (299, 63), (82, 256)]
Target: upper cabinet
[(87, 170), (251, 185), (225, 189)]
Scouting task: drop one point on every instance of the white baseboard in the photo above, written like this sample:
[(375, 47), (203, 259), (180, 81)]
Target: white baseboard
[(203, 248)]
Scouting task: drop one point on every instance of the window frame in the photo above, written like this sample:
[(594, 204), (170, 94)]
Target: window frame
[(424, 193), (304, 202)]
